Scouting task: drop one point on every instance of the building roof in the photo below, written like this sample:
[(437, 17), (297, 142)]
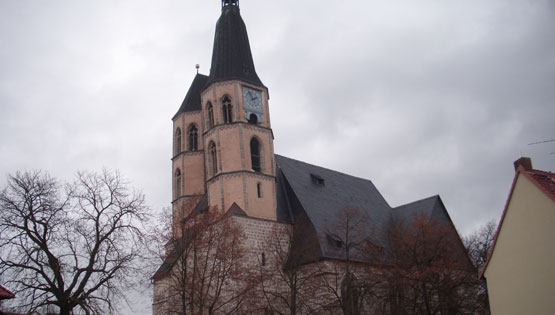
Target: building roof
[(170, 260), (322, 194), (545, 181), (5, 294), (182, 243), (192, 99), (317, 196), (312, 197), (231, 56)]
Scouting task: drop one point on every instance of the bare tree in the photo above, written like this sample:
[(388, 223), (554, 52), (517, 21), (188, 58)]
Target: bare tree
[(351, 279), (75, 248), (205, 271), (287, 284), (428, 269), (479, 243)]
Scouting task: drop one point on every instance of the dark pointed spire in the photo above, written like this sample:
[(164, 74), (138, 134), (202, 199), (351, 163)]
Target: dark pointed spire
[(192, 99), (231, 56)]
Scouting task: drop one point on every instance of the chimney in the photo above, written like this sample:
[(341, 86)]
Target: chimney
[(525, 162)]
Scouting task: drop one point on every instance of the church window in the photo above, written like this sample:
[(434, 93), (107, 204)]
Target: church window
[(255, 155), (193, 138), (213, 158), (177, 144), (253, 119), (210, 112), (177, 183), (259, 190), (263, 259), (227, 110)]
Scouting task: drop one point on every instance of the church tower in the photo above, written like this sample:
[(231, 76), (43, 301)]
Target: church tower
[(223, 141)]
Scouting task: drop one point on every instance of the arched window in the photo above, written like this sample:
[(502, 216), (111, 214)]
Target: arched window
[(255, 155), (210, 112), (213, 158), (227, 110), (177, 184), (177, 144), (350, 294), (193, 138), (259, 190), (253, 119)]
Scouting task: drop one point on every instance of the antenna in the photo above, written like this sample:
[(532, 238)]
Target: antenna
[(542, 142)]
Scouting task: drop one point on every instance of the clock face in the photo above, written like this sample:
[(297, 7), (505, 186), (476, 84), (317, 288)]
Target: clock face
[(252, 99)]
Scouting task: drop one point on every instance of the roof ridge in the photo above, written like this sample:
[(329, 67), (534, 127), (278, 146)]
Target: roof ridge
[(324, 168), (192, 100), (435, 197), (548, 173)]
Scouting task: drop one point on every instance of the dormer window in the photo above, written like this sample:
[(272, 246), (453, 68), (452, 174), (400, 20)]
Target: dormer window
[(317, 179), (334, 240)]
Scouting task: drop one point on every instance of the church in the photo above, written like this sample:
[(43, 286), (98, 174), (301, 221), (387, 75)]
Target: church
[(223, 157)]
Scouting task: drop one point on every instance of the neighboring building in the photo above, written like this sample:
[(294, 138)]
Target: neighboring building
[(223, 156), (5, 294), (520, 270)]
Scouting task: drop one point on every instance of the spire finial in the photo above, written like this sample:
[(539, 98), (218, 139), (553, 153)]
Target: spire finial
[(197, 66), (230, 2)]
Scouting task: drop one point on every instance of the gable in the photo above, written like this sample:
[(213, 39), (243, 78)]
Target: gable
[(317, 196), (523, 248), (323, 193), (530, 188)]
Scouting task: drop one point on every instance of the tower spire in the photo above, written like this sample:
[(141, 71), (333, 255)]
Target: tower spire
[(231, 56)]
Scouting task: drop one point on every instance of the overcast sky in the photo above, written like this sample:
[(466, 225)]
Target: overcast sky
[(421, 97)]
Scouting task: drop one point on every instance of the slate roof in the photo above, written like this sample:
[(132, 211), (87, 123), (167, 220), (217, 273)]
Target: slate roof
[(192, 99), (311, 197), (321, 202), (544, 180), (432, 206), (231, 56), (170, 260), (317, 195), (180, 245)]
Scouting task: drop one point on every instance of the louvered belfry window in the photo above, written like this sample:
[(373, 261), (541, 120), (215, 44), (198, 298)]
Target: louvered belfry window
[(193, 138), (210, 111), (227, 110)]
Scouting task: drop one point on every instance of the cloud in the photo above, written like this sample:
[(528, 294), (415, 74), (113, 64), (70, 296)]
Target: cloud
[(422, 98)]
